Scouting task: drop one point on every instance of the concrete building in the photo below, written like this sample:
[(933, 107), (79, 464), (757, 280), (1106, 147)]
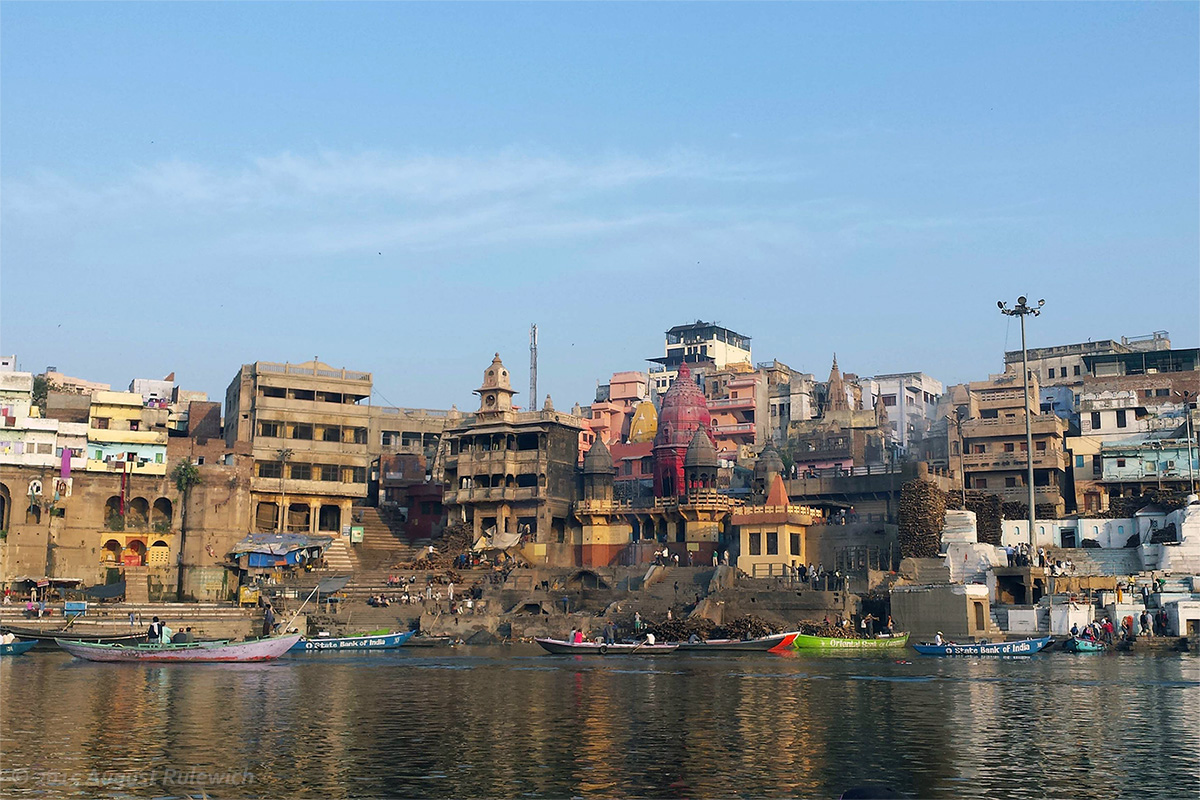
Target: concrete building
[(307, 428), (737, 397), (56, 381), (843, 436), (1151, 461), (1067, 365), (512, 475), (611, 414), (697, 343), (911, 400), (993, 446), (126, 436), (772, 536)]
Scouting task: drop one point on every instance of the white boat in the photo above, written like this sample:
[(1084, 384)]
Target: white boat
[(192, 652)]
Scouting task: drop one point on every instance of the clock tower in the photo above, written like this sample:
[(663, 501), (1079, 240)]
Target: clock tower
[(495, 395)]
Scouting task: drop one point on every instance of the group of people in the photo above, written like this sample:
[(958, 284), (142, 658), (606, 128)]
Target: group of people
[(1099, 631), (159, 633)]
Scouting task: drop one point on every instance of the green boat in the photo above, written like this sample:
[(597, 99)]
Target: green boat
[(881, 642), (1078, 645)]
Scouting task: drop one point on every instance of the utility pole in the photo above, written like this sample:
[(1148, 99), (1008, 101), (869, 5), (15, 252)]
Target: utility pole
[(533, 395), (1022, 310)]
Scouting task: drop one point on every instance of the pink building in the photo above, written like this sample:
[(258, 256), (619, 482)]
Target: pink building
[(613, 410)]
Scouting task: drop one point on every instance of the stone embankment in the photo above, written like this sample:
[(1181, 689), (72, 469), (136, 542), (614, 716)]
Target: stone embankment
[(207, 620)]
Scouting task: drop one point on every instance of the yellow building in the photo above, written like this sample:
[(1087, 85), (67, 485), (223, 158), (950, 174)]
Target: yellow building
[(125, 435), (773, 535)]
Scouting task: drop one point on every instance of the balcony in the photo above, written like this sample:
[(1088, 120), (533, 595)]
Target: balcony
[(293, 488), (477, 494), (1049, 459), (993, 428), (267, 447), (734, 429), (315, 410), (732, 403)]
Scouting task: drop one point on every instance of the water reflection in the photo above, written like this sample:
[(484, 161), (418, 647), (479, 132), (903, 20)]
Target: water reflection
[(509, 722)]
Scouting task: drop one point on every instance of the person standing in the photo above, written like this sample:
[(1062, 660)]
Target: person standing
[(268, 621), (154, 633)]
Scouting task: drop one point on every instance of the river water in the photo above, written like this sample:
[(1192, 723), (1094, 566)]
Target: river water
[(513, 722)]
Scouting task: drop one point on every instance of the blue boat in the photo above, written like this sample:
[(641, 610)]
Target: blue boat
[(1024, 647), (386, 641), (17, 648)]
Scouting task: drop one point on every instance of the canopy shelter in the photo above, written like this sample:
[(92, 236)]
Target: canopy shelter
[(269, 550)]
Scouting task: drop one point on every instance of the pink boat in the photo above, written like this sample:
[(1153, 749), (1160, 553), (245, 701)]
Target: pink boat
[(191, 652)]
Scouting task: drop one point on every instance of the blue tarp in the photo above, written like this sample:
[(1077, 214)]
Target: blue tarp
[(275, 549)]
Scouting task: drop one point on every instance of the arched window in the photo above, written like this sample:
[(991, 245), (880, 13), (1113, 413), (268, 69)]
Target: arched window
[(161, 514)]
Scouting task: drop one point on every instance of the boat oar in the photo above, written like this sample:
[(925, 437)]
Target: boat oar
[(301, 608)]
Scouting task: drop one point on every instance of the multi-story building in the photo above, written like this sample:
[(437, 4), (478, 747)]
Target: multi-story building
[(738, 399), (994, 455), (697, 343), (512, 475), (1068, 364), (307, 427), (911, 400), (126, 436), (843, 435), (1151, 461), (611, 413), (57, 381)]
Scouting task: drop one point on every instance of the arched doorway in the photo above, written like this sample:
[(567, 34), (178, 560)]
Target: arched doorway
[(111, 554), (5, 506), (161, 514), (298, 514), (266, 516), (112, 514), (159, 554), (135, 553), (138, 516)]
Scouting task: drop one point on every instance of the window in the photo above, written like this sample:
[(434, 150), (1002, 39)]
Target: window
[(795, 543), (889, 400), (979, 448), (99, 455), (1097, 465), (330, 472), (1147, 393), (357, 435), (1076, 369), (270, 429), (100, 423), (1121, 418), (1120, 462), (1052, 372), (158, 458), (301, 472), (1162, 392), (45, 449), (302, 431), (981, 483), (358, 475), (274, 391), (1009, 447), (1095, 420), (1039, 446), (756, 544), (331, 433), (772, 543), (1078, 462), (270, 469), (1151, 466), (627, 467), (133, 424), (1010, 482)]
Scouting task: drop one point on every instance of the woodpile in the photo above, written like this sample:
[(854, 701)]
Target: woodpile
[(922, 516), (987, 509), (747, 626), (455, 541), (680, 630), (828, 629)]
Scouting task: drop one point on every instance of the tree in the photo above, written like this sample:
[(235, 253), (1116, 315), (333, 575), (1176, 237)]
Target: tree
[(186, 475), (41, 388)]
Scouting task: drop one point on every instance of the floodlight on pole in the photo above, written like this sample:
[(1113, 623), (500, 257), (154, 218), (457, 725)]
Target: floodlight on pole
[(1022, 310)]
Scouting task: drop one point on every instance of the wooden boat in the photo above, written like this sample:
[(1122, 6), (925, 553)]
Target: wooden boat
[(1023, 647), (16, 648), (385, 641), (1078, 645), (775, 643), (189, 652), (47, 636), (429, 641), (560, 647), (881, 642)]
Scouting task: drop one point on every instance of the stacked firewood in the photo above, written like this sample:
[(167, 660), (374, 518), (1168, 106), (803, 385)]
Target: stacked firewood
[(744, 627), (680, 630), (828, 629), (922, 517)]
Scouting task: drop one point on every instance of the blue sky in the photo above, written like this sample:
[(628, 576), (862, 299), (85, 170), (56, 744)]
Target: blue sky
[(404, 188)]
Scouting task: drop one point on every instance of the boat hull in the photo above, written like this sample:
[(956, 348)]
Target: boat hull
[(389, 641), (559, 647), (17, 648), (1083, 646), (199, 652), (1023, 647), (806, 642), (430, 641), (777, 643), (47, 636)]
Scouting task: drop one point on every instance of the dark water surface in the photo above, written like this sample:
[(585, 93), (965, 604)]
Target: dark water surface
[(512, 722)]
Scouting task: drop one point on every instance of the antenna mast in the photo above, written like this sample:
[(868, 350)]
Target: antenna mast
[(533, 395)]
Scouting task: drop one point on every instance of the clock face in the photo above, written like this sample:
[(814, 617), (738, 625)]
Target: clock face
[(491, 400)]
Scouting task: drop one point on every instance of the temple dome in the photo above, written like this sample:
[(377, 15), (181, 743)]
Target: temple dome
[(769, 461), (701, 452), (684, 411), (598, 459)]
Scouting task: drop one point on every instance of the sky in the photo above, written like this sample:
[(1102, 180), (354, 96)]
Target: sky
[(405, 188)]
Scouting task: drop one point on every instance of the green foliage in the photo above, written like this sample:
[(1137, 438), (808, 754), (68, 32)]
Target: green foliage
[(186, 475), (115, 523), (41, 388)]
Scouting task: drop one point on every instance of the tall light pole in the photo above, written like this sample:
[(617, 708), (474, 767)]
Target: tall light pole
[(1022, 310)]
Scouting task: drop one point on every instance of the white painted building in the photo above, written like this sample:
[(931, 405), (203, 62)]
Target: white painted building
[(911, 400)]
